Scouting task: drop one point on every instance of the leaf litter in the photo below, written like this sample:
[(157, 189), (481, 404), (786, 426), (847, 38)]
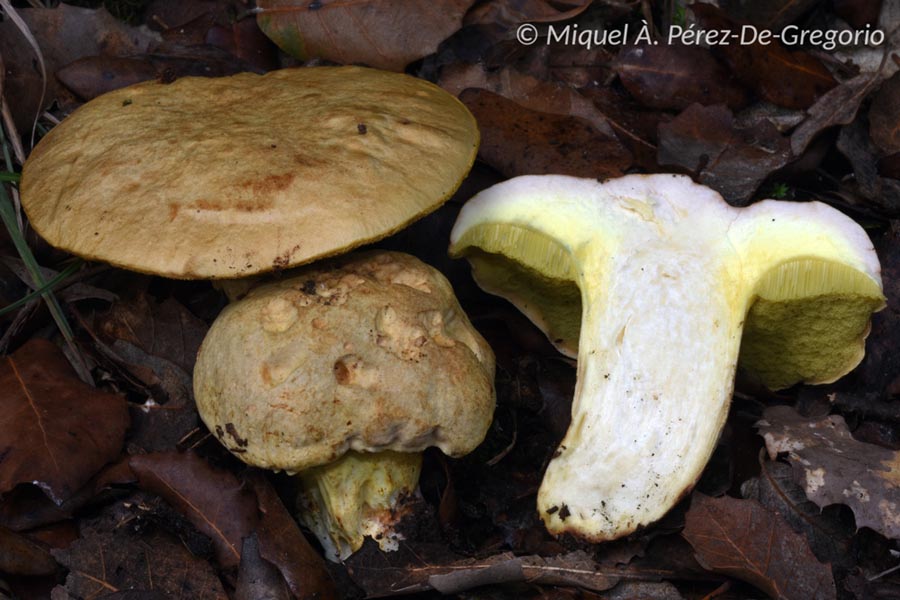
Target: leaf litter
[(152, 520)]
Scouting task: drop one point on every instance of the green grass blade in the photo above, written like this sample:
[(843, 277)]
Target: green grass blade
[(6, 176), (8, 215), (62, 275)]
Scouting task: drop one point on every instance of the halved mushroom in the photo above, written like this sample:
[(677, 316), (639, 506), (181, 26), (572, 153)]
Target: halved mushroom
[(345, 373), (657, 284)]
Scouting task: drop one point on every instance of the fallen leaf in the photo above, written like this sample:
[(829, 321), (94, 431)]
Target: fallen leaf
[(212, 499), (830, 538), (281, 543), (506, 14), (163, 15), (879, 369), (760, 113), (165, 329), (636, 126), (258, 579), (742, 539), (837, 107), (834, 468), (156, 343), (55, 430), (64, 34), (767, 14), (880, 195), (884, 116), (676, 76), (519, 141), (858, 13), (110, 558), (889, 166), (705, 141), (92, 76), (789, 78), (27, 507), (163, 420), (21, 556), (385, 35), (244, 40), (573, 65), (526, 91)]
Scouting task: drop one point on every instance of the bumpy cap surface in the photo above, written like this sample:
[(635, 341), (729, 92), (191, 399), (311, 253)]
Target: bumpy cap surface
[(221, 178), (366, 352)]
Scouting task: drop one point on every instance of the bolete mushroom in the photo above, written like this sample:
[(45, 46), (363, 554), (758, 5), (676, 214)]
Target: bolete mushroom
[(657, 284), (345, 373), (221, 178)]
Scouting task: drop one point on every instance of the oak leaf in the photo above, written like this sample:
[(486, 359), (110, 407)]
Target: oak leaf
[(55, 431), (742, 539), (386, 35), (834, 468)]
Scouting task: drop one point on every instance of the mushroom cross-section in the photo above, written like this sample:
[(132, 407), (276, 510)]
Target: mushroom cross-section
[(344, 374), (658, 285)]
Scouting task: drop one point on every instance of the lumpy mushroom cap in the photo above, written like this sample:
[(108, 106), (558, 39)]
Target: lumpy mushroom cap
[(213, 178), (366, 352)]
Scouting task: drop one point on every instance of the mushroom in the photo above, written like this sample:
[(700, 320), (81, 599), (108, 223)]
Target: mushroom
[(221, 178), (225, 178), (345, 373), (657, 285)]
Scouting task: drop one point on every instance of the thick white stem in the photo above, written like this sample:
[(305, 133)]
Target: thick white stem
[(657, 356)]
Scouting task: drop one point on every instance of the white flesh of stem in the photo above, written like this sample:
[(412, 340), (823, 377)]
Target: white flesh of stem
[(657, 358), (667, 272)]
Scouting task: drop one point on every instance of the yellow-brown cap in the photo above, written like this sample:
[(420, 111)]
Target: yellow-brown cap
[(209, 178)]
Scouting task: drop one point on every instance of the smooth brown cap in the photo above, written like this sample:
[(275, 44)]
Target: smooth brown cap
[(209, 178), (365, 352)]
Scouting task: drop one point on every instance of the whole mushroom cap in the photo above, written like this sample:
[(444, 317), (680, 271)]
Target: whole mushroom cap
[(212, 178), (366, 352)]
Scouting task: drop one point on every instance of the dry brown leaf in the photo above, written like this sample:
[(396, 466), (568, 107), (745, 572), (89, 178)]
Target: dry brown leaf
[(55, 430), (768, 14), (519, 141), (112, 557), (165, 329), (212, 499), (21, 556), (733, 161), (636, 126), (875, 193), (789, 78), (258, 579), (889, 166), (674, 77), (834, 468), (281, 543), (510, 13), (92, 76), (64, 33), (386, 35), (884, 116), (829, 537), (858, 13), (837, 107), (741, 539), (525, 90)]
